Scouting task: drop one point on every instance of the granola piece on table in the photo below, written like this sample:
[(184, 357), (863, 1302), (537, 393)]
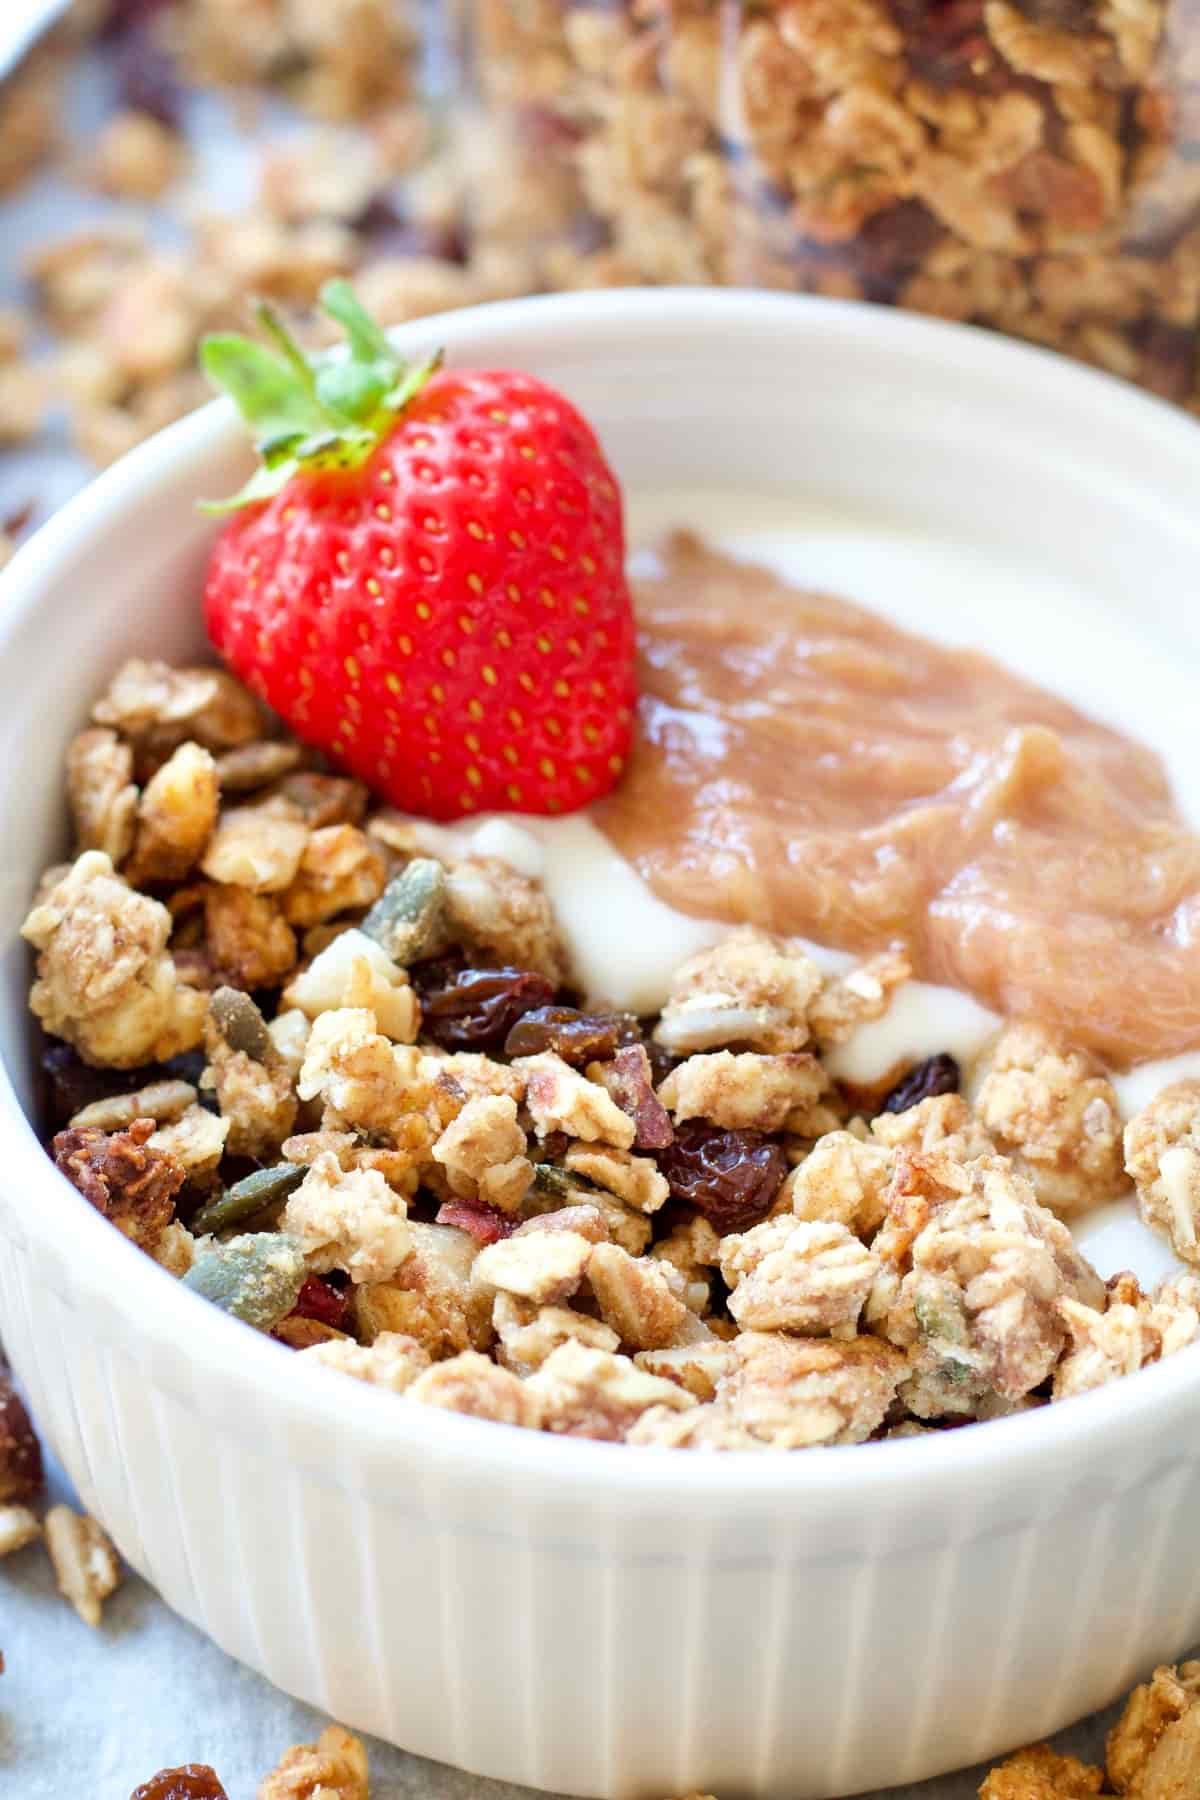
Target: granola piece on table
[(85, 1563), (334, 1768)]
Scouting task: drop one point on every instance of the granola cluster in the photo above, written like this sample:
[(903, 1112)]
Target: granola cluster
[(342, 1088), (1029, 165), (1153, 1751)]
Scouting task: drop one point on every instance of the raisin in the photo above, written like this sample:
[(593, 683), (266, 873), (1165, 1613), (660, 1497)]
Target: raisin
[(484, 1223), (661, 1062), (20, 1454), (194, 1781), (730, 1176), (577, 1037), (936, 1075), (477, 1008), (947, 44), (391, 230), (319, 1299)]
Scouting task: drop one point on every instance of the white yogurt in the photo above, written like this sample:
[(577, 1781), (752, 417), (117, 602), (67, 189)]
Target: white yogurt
[(624, 942)]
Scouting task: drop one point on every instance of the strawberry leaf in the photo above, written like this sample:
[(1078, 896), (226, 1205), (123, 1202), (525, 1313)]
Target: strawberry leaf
[(329, 409)]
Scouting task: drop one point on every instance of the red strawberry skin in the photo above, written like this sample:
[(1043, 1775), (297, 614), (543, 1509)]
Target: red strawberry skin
[(450, 621)]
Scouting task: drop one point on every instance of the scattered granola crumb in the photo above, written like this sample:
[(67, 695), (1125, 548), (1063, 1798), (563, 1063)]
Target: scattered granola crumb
[(19, 1526), (334, 1768), (85, 1563)]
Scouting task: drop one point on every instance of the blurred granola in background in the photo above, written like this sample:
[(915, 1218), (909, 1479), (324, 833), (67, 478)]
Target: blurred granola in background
[(1029, 165)]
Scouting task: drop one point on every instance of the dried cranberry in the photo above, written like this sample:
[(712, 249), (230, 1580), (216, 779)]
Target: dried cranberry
[(629, 1078), (147, 82), (730, 1176), (477, 1008), (947, 43), (391, 230), (194, 1781), (577, 1037), (936, 1075), (317, 1299), (129, 15), (484, 1223)]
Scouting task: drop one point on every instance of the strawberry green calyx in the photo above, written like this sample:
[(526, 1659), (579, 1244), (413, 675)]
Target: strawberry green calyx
[(328, 410)]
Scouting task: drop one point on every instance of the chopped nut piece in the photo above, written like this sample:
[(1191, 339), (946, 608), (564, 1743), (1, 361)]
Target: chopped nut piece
[(560, 1099), (810, 1277), (338, 871), (590, 1393), (334, 1768), (634, 1179), (545, 1267), (1056, 1117), (842, 1181), (1127, 1335), (124, 1176), (18, 1527), (796, 1392), (176, 817), (1162, 1154), (255, 849), (640, 1299), (743, 1093), (528, 1334), (483, 1153), (472, 1384), (101, 793), (1138, 1751), (350, 1220), (85, 1563), (1040, 1773), (353, 971), (390, 1361), (105, 981), (753, 990)]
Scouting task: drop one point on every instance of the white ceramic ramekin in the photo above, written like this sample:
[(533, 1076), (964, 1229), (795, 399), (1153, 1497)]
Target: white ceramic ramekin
[(578, 1616)]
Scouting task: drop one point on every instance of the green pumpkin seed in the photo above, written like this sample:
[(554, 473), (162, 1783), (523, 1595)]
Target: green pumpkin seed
[(247, 1197), (240, 1023), (567, 1189), (255, 1279), (410, 919)]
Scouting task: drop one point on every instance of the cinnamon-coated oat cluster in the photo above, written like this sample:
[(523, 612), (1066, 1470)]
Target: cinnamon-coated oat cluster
[(1024, 164), (341, 1087)]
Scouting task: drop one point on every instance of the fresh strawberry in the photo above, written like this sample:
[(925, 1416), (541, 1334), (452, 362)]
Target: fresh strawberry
[(425, 577)]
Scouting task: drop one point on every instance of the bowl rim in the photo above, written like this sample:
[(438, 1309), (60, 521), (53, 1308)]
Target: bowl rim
[(150, 1302)]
